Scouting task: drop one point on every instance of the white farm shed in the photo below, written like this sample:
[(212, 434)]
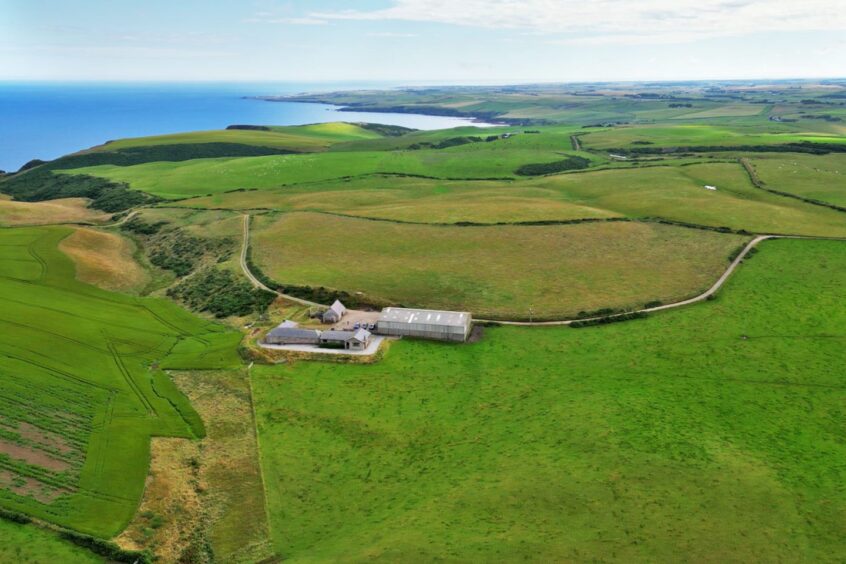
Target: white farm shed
[(425, 324)]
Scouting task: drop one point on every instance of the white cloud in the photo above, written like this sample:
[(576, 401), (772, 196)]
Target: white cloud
[(307, 20), (623, 21), (390, 34)]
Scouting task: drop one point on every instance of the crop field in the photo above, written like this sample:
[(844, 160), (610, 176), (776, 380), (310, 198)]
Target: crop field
[(83, 388), (489, 270), (30, 544), (714, 431), (817, 177), (105, 260)]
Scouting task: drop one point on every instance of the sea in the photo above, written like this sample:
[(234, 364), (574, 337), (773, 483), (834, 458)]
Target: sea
[(48, 120)]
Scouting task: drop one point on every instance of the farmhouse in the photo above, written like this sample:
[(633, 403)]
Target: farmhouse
[(283, 335), (425, 323), (350, 340), (335, 312)]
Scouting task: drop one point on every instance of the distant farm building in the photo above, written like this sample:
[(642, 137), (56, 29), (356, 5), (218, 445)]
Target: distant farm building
[(287, 335), (709, 187), (350, 340), (335, 313), (425, 324)]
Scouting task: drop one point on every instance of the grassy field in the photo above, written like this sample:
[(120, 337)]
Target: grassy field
[(105, 260), (671, 192), (67, 210), (493, 271), (713, 432), (200, 177), (27, 544), (304, 138), (83, 388), (817, 177)]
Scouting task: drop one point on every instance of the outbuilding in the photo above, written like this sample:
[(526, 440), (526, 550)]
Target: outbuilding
[(425, 324), (350, 340), (335, 312), (292, 336)]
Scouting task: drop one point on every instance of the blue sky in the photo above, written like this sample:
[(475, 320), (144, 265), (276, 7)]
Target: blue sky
[(469, 41)]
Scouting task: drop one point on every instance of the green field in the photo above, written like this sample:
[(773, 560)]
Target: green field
[(304, 138), (83, 387), (27, 544), (817, 177), (713, 432), (498, 272)]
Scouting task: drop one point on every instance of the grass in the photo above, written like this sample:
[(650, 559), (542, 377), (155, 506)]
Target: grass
[(493, 271), (105, 260), (83, 388), (199, 177), (67, 210), (28, 544), (817, 177), (714, 432), (305, 138)]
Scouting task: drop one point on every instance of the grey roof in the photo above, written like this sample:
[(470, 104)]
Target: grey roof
[(362, 335), (427, 316), (294, 332), (338, 307), (337, 335)]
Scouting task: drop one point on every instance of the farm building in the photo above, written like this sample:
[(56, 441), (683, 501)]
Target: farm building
[(287, 335), (351, 340), (425, 323), (335, 312)]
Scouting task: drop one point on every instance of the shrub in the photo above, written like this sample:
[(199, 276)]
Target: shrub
[(538, 169)]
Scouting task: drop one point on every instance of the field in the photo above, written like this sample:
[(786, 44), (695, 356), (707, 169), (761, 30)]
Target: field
[(300, 138), (570, 268), (712, 432), (105, 260), (25, 544), (83, 381), (817, 177), (68, 210)]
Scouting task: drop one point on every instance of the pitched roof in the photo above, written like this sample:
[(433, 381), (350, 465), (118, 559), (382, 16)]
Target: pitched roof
[(337, 335), (294, 332), (427, 316), (338, 307), (362, 335)]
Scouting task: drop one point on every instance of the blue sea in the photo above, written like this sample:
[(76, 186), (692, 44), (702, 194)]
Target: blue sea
[(48, 120)]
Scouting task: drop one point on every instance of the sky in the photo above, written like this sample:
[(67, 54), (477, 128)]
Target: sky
[(421, 41)]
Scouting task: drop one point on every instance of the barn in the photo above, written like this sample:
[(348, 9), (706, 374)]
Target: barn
[(335, 312), (425, 324), (287, 335)]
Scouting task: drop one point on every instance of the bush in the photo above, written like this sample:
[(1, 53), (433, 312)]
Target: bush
[(607, 320), (221, 293), (106, 548), (539, 169)]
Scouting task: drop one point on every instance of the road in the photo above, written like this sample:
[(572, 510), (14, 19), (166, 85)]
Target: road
[(700, 298), (255, 281)]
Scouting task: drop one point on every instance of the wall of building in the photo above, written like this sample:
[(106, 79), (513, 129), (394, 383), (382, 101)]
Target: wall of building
[(423, 331)]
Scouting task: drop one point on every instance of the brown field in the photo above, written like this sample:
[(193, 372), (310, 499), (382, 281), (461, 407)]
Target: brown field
[(105, 260), (208, 490), (68, 210), (499, 271)]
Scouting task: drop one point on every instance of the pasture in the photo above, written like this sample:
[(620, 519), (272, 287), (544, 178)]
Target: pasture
[(817, 177), (304, 138), (24, 544), (83, 388), (713, 431), (497, 271)]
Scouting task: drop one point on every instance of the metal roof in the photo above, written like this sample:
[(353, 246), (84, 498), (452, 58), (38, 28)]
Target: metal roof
[(294, 332), (338, 307), (425, 316)]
